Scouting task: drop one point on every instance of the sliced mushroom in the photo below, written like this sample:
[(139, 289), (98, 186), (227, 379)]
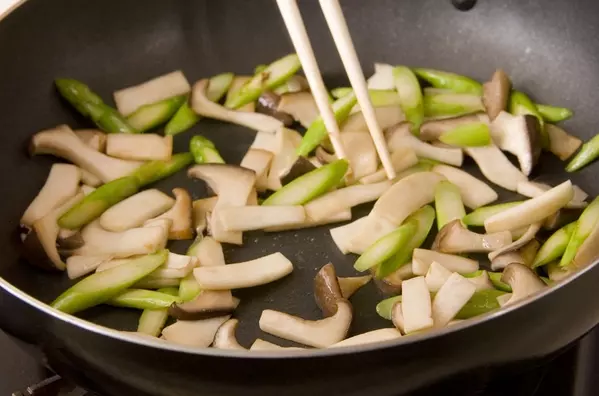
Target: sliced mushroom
[(89, 179), (450, 298), (495, 166), (482, 281), (501, 261), (400, 136), (344, 215), (401, 159), (247, 218), (62, 142), (61, 185), (198, 333), (561, 218), (519, 135), (141, 147), (436, 276), (431, 130), (324, 156), (391, 284), (387, 116), (225, 336), (135, 210), (261, 345), (317, 333), (209, 252), (268, 104), (176, 266), (523, 281), (87, 189), (327, 291), (205, 107), (361, 153), (77, 266), (259, 161), (236, 84), (300, 167), (246, 274), (265, 141), (475, 193), (557, 273), (534, 189), (562, 144), (370, 337), (351, 284), (416, 305), (382, 77), (288, 141), (94, 138), (523, 240), (39, 246), (455, 238), (397, 317), (69, 239), (423, 258), (209, 303), (181, 215), (531, 211), (529, 251), (588, 252), (496, 93), (503, 299), (299, 105), (359, 235), (202, 210)]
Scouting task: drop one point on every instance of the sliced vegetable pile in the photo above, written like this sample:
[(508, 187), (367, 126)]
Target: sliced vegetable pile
[(96, 218)]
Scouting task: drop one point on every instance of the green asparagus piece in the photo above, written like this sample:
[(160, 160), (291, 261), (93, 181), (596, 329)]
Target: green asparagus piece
[(468, 135), (90, 105), (155, 170), (448, 203), (477, 217), (553, 113), (424, 218), (520, 104), (310, 185), (495, 278), (587, 154), (481, 302), (152, 115), (185, 117), (317, 132), (340, 92), (451, 81), (451, 105), (189, 288), (143, 299), (102, 286), (272, 76), (98, 201), (385, 307), (378, 97), (555, 246), (584, 226), (152, 321), (204, 151), (260, 68), (410, 95), (386, 247)]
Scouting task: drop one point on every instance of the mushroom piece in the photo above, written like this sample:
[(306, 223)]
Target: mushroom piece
[(208, 304), (327, 291), (176, 266), (94, 138), (561, 218), (534, 189), (519, 243), (455, 238), (562, 144), (401, 159), (523, 281), (225, 336), (205, 107), (39, 246), (400, 136), (382, 77), (300, 167), (557, 273), (519, 135), (61, 184), (423, 258), (135, 210), (324, 156), (268, 104), (416, 308), (285, 156), (261, 345), (387, 116), (397, 316), (495, 166), (351, 284), (370, 337), (77, 266), (361, 153), (475, 193), (503, 299), (360, 234), (501, 261), (436, 276), (141, 147), (450, 298), (482, 281), (317, 333), (431, 130), (391, 284), (246, 274), (301, 106), (198, 333), (209, 252), (529, 251), (265, 141), (496, 93), (62, 142), (533, 210), (344, 215), (181, 215), (85, 188), (588, 252), (236, 84), (69, 239), (202, 210), (89, 179), (247, 218), (259, 161)]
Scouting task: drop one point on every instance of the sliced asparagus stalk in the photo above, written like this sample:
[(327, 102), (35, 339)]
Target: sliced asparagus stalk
[(561, 143), (467, 135), (474, 192), (451, 81), (423, 258), (238, 82), (386, 247), (587, 154), (495, 278), (101, 287), (204, 151), (481, 302), (189, 288), (153, 171), (555, 246), (385, 307), (410, 95), (553, 113), (90, 105), (152, 115), (445, 105), (142, 299), (309, 186), (272, 76), (451, 298), (496, 167), (448, 203), (152, 321), (432, 129), (378, 97), (584, 227), (145, 147), (477, 217), (135, 210), (247, 218), (416, 307)]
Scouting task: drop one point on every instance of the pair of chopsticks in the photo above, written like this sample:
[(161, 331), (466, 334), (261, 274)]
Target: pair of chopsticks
[(338, 27)]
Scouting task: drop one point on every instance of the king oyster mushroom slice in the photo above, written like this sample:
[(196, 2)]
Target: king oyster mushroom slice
[(350, 285), (382, 77), (416, 307), (401, 135), (361, 153), (534, 189), (423, 258), (259, 161), (62, 142), (205, 107), (246, 274), (197, 333), (202, 210), (232, 184), (61, 184), (285, 156), (317, 333), (482, 281), (78, 266), (338, 217), (450, 298), (496, 167), (300, 167), (557, 273), (225, 336), (94, 138), (87, 189), (141, 147), (39, 246), (475, 193), (504, 299), (523, 281), (386, 116), (533, 210), (455, 238), (397, 317), (360, 234), (436, 276), (562, 144), (247, 218), (499, 262), (496, 93), (528, 236), (135, 210), (519, 135), (268, 104), (261, 345), (299, 105), (209, 303), (431, 130), (327, 291), (89, 179), (370, 337), (561, 218), (181, 215), (588, 252), (401, 159)]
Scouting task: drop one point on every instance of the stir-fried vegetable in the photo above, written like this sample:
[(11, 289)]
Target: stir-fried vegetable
[(152, 321), (451, 81), (204, 151)]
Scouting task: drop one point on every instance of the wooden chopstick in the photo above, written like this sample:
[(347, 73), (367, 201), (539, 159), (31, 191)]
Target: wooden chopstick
[(338, 27)]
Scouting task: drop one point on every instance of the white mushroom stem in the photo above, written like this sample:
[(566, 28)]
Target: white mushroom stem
[(261, 345), (523, 281), (135, 210), (523, 240), (259, 161), (89, 179), (534, 189), (225, 336), (455, 238), (360, 152), (246, 274), (181, 215), (61, 185), (288, 140), (359, 235), (416, 305), (482, 281), (561, 143), (520, 136), (177, 266), (141, 147), (382, 77), (94, 138), (77, 266), (436, 276), (198, 333), (209, 252), (299, 105), (423, 258), (317, 333), (496, 167), (386, 116), (450, 298), (503, 299), (202, 210), (246, 218), (338, 217), (531, 211), (401, 159), (351, 284), (475, 193), (370, 337), (501, 261), (397, 317)]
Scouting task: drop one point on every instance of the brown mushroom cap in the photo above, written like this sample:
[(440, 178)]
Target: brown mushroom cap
[(496, 93), (523, 280), (326, 290), (300, 167), (351, 284), (268, 104), (455, 238), (207, 304)]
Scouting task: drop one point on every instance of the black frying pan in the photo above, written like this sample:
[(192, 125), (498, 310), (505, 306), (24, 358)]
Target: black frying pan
[(548, 47)]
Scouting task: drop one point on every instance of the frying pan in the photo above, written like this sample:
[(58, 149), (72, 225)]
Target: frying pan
[(548, 47)]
